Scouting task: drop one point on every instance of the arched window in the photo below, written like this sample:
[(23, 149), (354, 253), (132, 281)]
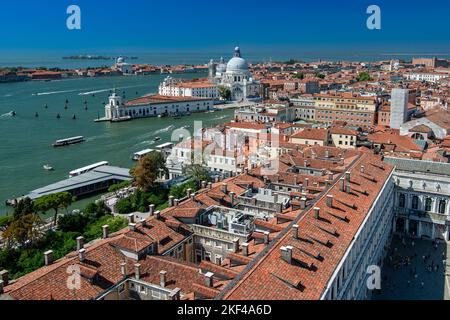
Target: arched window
[(442, 206), (428, 204), (401, 200), (415, 202)]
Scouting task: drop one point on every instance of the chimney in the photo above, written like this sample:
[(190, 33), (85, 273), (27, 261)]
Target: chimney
[(176, 202), (209, 281), (327, 153), (275, 198), (303, 203), (348, 189), (162, 278), (82, 255), (48, 257), (286, 254), (175, 295), (210, 185), (306, 183), (317, 213), (4, 277), (158, 215), (295, 180), (143, 222), (266, 237), (193, 197), (330, 176), (342, 184), (330, 199), (152, 209), (171, 201), (188, 192), (236, 245), (105, 231), (203, 184), (132, 226), (245, 249), (232, 198), (363, 169), (2, 287), (295, 229), (225, 188), (347, 176), (137, 271), (123, 269), (131, 218), (80, 243)]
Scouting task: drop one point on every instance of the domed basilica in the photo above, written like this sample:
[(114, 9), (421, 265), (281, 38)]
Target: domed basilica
[(236, 76)]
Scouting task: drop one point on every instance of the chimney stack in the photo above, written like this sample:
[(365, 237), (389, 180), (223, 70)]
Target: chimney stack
[(4, 277), (266, 237), (209, 281), (348, 189), (327, 153), (137, 271), (295, 229), (131, 218), (303, 203), (342, 184), (286, 254), (210, 185), (105, 231), (48, 257), (193, 197), (171, 201), (80, 243), (330, 199), (245, 249), (189, 192), (123, 269), (203, 184), (330, 177), (162, 278), (133, 226), (295, 180), (232, 198), (317, 213), (225, 188), (363, 169), (306, 183), (152, 209), (348, 176), (82, 255), (175, 295), (176, 202), (143, 222), (158, 215), (2, 287), (236, 245)]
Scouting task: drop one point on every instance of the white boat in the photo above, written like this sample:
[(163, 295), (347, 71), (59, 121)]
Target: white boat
[(86, 169), (48, 167), (68, 141)]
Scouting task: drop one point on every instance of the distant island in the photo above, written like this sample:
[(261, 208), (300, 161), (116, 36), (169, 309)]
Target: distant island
[(94, 57)]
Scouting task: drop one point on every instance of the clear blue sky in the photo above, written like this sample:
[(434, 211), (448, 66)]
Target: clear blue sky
[(317, 25)]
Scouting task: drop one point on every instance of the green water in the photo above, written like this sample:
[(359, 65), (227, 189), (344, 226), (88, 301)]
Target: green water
[(25, 141)]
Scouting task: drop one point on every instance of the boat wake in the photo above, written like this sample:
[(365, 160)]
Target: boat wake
[(106, 90), (166, 129), (52, 92), (6, 115)]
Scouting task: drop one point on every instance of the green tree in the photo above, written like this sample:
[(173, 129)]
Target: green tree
[(300, 76), (54, 202), (23, 230), (224, 93), (149, 169), (320, 75), (197, 172), (179, 191), (363, 76)]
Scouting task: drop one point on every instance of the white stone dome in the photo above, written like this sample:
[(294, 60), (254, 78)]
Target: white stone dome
[(237, 63)]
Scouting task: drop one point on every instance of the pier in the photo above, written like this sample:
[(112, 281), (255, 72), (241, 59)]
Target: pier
[(97, 180)]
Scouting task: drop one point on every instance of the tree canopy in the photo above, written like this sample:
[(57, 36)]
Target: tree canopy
[(149, 169)]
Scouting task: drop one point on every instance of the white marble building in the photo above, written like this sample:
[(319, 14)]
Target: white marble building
[(235, 76), (422, 198)]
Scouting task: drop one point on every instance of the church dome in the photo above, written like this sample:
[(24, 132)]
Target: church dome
[(237, 63), (221, 67)]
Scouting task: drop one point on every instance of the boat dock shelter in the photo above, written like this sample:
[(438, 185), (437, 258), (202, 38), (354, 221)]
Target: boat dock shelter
[(97, 180)]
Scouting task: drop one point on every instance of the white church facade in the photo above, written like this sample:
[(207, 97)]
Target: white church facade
[(236, 76)]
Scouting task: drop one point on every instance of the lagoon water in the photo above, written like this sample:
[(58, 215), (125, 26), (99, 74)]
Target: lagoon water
[(26, 141)]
